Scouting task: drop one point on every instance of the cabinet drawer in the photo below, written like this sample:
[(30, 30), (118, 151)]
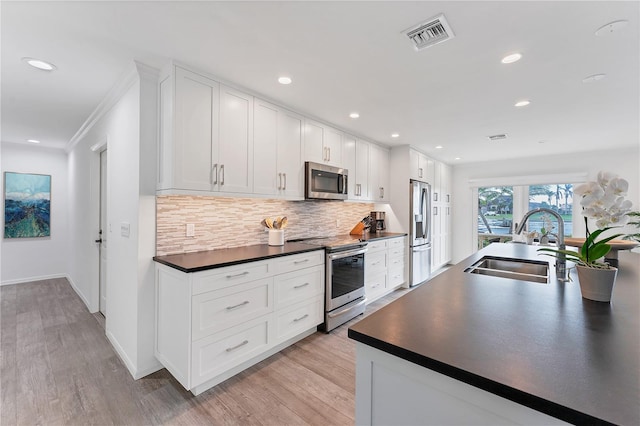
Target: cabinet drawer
[(375, 261), (299, 318), (218, 310), (299, 261), (215, 354), (373, 246), (232, 275), (396, 252), (396, 276), (297, 286), (394, 243), (396, 262)]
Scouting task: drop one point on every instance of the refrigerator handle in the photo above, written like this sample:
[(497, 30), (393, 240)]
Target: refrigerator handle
[(425, 212)]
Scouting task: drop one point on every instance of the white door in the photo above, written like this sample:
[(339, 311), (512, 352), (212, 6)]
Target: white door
[(102, 239)]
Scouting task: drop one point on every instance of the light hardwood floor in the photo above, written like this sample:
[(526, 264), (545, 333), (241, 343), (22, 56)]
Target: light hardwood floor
[(57, 367)]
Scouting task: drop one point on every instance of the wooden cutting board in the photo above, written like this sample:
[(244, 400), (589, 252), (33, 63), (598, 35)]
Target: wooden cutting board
[(615, 244)]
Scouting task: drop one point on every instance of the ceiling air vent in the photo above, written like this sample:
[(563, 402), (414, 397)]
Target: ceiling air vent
[(433, 31), (497, 137)]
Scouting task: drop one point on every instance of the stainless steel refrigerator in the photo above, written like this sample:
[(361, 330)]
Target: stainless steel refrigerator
[(419, 232)]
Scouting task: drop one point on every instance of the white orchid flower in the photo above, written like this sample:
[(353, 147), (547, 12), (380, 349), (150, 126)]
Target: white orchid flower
[(587, 188), (605, 177), (617, 186), (619, 219)]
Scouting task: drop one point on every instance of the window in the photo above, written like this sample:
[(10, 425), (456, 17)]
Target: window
[(495, 214), (558, 198)]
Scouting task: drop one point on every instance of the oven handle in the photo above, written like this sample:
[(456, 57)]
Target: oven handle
[(344, 311), (347, 253)]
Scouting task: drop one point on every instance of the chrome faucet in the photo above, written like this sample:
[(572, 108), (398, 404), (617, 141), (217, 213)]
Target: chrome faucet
[(561, 260)]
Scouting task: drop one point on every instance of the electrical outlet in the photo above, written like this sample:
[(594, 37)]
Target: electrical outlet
[(191, 230)]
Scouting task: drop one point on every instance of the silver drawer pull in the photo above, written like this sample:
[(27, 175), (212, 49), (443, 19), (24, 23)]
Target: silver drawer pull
[(229, 308), (238, 275), (301, 285), (297, 262), (301, 318), (239, 345)]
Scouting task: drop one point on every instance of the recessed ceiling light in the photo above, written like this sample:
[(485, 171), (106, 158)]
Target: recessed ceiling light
[(458, 158), (522, 103), (611, 27), (592, 78), (40, 64), (33, 140), (509, 59), (439, 147), (354, 115), (395, 135), (543, 141), (284, 80)]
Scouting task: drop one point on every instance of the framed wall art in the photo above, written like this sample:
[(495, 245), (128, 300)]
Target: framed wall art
[(27, 205)]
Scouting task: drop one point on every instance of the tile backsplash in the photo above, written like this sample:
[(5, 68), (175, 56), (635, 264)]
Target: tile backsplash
[(233, 222)]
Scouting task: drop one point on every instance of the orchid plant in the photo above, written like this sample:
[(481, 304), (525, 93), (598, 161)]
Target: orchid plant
[(602, 201)]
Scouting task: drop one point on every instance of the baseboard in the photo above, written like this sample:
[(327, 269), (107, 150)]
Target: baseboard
[(80, 295), (122, 354), (32, 279), (148, 370)]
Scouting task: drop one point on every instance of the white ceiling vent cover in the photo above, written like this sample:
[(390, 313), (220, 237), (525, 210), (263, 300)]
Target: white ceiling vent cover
[(434, 31)]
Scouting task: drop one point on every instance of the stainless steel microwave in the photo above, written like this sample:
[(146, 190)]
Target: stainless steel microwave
[(324, 182)]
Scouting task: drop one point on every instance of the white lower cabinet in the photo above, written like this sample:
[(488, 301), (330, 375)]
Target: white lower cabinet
[(384, 267), (211, 325)]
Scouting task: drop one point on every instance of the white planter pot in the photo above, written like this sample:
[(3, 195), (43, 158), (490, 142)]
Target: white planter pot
[(596, 284)]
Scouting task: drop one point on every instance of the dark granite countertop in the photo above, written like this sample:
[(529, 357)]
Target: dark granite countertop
[(371, 236), (211, 259), (540, 345)]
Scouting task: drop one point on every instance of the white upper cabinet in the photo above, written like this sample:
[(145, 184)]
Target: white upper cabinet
[(206, 135), (379, 173), (278, 168), (322, 144), (349, 163), (235, 168), (362, 186), (422, 167)]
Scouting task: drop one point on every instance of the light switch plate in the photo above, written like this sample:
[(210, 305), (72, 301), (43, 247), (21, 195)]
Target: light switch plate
[(125, 229), (191, 230)]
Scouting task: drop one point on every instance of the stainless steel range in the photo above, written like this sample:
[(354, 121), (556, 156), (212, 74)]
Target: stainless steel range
[(344, 278)]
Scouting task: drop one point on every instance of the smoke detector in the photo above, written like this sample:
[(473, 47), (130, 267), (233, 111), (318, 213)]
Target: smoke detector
[(428, 33), (497, 137)]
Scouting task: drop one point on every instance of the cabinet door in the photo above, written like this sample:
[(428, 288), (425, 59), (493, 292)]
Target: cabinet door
[(332, 143), (196, 131), (265, 140), (379, 173), (235, 172), (290, 162), (414, 165), (362, 189), (349, 163), (313, 142)]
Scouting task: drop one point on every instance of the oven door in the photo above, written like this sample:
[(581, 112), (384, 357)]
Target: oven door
[(345, 277)]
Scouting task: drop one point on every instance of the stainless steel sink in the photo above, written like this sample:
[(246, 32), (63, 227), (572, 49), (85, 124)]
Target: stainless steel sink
[(517, 269)]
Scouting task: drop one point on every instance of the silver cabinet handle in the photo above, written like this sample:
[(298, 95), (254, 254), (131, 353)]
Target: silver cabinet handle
[(381, 192), (329, 149), (239, 345), (279, 180), (230, 308), (301, 318), (221, 174), (301, 285), (324, 153), (448, 211), (419, 171), (284, 175), (297, 262), (238, 275), (435, 196), (448, 198), (435, 211), (214, 174)]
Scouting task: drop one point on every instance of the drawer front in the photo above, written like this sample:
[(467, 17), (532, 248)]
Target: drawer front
[(397, 242), (374, 262), (232, 275), (300, 317), (375, 286), (396, 262), (396, 252), (299, 261), (218, 310), (373, 246), (298, 286), (396, 276), (215, 354)]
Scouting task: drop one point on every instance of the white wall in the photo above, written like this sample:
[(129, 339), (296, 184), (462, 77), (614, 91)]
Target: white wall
[(128, 126), (32, 259), (623, 162)]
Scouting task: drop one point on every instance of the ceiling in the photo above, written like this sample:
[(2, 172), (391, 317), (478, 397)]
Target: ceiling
[(345, 57)]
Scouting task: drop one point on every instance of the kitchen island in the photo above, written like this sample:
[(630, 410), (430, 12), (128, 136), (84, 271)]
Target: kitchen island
[(467, 348)]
